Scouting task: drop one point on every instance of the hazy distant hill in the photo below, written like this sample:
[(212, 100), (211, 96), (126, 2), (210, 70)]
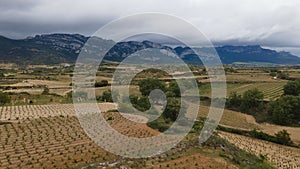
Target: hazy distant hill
[(62, 48)]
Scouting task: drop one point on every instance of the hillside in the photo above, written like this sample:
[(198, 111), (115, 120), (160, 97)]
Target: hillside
[(64, 48)]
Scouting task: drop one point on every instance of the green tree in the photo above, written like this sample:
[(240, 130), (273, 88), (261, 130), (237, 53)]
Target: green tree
[(174, 89), (283, 75), (234, 100), (46, 90), (4, 98), (143, 103), (102, 83), (133, 99), (273, 74), (107, 96), (292, 88), (283, 137), (172, 109), (252, 101), (285, 110), (149, 84)]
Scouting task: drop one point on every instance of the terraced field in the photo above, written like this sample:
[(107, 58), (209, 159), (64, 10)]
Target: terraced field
[(56, 142), (238, 120), (50, 136), (232, 119), (282, 157), (271, 91)]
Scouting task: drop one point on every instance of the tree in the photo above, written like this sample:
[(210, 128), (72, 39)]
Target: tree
[(46, 90), (133, 99), (102, 83), (292, 88), (143, 103), (283, 75), (149, 84), (4, 98), (172, 109), (273, 74), (284, 110), (252, 100), (283, 137), (174, 89), (107, 96), (234, 100)]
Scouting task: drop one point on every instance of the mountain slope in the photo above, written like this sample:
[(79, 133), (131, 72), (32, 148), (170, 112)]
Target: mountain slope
[(62, 48)]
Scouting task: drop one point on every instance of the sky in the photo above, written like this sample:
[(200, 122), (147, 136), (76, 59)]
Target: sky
[(272, 23)]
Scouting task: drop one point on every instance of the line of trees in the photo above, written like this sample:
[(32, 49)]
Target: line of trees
[(283, 111), (250, 102)]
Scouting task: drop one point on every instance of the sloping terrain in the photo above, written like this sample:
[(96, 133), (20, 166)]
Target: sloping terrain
[(64, 48)]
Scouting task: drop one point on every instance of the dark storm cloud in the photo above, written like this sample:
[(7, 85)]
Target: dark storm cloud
[(264, 22), (17, 4), (26, 28)]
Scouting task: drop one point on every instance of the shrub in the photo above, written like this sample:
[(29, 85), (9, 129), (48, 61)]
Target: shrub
[(292, 88), (149, 84), (283, 137), (284, 110), (4, 98), (102, 83), (110, 118)]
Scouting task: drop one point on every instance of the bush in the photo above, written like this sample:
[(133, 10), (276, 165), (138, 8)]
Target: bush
[(292, 88), (4, 98), (234, 100), (46, 90), (273, 74), (102, 83), (143, 104), (107, 96), (174, 89), (283, 137), (252, 101), (149, 84), (172, 109), (284, 110), (283, 75)]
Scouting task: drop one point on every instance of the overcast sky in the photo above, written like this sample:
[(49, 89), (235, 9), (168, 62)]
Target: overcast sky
[(274, 23)]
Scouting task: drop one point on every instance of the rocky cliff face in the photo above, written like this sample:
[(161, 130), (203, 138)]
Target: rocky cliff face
[(62, 48)]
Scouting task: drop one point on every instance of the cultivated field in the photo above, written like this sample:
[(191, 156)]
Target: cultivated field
[(238, 120), (282, 157), (272, 90), (50, 136)]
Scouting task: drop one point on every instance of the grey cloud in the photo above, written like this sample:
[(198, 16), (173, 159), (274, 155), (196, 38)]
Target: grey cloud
[(264, 22), (18, 4)]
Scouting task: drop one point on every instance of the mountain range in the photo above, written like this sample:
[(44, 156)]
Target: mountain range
[(64, 48)]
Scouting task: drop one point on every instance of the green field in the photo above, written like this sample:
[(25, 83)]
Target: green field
[(271, 90)]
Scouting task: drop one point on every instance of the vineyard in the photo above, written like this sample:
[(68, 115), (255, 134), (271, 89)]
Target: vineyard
[(271, 91), (281, 156), (50, 136), (231, 118), (12, 113)]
